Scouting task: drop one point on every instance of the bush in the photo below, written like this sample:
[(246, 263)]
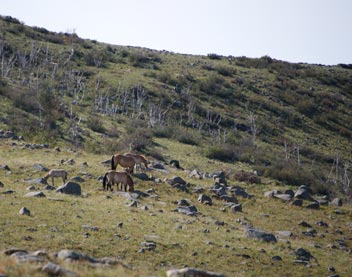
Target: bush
[(95, 123), (221, 152)]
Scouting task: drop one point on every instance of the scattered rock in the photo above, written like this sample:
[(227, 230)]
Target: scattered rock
[(337, 202), (196, 174), (35, 194), (36, 181), (205, 199), (40, 167), (285, 234), (175, 180), (78, 179), (238, 191), (175, 164), (9, 191), (1, 184), (261, 235), (148, 245), (141, 176), (303, 193), (5, 167), (30, 188), (283, 196), (188, 210), (24, 211), (314, 206), (236, 208), (305, 224), (276, 258), (56, 270), (70, 188), (303, 254), (192, 272), (297, 202)]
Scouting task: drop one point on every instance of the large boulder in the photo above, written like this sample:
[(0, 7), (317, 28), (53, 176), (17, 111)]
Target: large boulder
[(70, 188), (303, 193)]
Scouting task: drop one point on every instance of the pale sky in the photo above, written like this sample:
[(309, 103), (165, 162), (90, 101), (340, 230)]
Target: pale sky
[(310, 31)]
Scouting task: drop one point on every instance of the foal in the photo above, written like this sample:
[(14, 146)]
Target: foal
[(138, 159), (56, 173)]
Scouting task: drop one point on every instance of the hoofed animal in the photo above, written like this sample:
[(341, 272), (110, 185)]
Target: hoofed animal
[(56, 173), (113, 177), (138, 159), (124, 161)]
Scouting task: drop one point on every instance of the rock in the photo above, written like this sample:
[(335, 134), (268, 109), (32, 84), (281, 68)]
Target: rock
[(9, 191), (310, 232), (158, 166), (24, 211), (261, 235), (272, 193), (323, 202), (303, 193), (314, 206), (337, 202), (5, 167), (188, 210), (48, 187), (285, 234), (70, 255), (78, 179), (205, 199), (305, 224), (238, 191), (218, 174), (40, 167), (141, 176), (148, 245), (175, 164), (276, 258), (1, 184), (52, 269), (35, 194), (30, 188), (70, 188), (229, 199), (132, 204), (297, 202), (192, 272), (36, 181), (290, 192), (283, 196), (175, 180), (196, 174), (322, 224), (303, 254), (236, 208)]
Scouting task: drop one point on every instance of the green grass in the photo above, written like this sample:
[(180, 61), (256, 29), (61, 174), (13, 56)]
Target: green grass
[(61, 224)]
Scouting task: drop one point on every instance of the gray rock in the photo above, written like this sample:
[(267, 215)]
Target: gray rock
[(192, 272), (276, 258), (78, 179), (56, 270), (229, 199), (175, 180), (205, 199), (314, 206), (303, 193), (36, 181), (261, 235), (70, 188), (24, 211), (337, 202), (141, 176), (34, 194), (48, 187), (40, 167), (236, 208), (272, 193), (148, 245), (189, 210), (70, 255), (5, 167), (196, 174), (297, 202), (9, 191), (283, 196), (305, 224), (285, 234), (240, 192), (303, 254), (30, 188), (1, 184)]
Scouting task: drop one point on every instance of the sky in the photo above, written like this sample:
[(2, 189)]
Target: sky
[(308, 31)]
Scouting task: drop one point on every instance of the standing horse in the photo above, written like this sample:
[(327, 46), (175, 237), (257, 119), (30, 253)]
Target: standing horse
[(124, 161), (56, 173), (113, 177), (138, 159)]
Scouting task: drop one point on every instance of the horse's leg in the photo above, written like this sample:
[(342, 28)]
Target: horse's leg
[(52, 180)]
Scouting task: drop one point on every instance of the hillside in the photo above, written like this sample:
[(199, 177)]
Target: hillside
[(266, 124)]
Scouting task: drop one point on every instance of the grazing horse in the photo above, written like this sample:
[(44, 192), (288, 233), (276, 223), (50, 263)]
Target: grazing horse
[(56, 173), (124, 161), (138, 159), (113, 177)]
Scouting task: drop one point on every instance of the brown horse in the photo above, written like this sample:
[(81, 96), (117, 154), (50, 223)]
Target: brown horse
[(113, 177), (138, 159), (124, 161), (56, 173)]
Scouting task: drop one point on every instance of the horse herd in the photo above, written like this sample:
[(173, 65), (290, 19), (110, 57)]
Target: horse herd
[(128, 161)]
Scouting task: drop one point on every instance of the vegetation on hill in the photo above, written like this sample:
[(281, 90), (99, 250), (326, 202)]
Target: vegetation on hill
[(290, 122)]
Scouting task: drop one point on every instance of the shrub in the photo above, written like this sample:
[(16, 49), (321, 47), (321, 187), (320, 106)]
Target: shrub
[(214, 56), (221, 152), (95, 123), (248, 177)]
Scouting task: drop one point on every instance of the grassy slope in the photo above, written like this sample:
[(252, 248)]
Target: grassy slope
[(60, 225)]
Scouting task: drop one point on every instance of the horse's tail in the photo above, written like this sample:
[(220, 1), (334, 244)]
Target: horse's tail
[(104, 180), (113, 167)]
